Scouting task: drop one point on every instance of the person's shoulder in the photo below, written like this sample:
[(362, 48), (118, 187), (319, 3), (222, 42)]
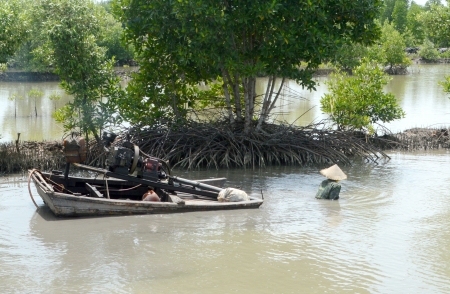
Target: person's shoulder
[(334, 184)]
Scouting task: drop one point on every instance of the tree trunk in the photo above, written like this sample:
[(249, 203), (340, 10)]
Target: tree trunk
[(252, 96), (175, 102), (249, 96), (266, 102), (237, 97), (247, 121), (227, 98), (272, 106)]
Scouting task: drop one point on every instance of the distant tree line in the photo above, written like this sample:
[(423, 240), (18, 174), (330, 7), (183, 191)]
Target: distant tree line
[(24, 37), (409, 31), (406, 24)]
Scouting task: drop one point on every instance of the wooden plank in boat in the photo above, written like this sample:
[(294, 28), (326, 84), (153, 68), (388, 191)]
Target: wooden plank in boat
[(93, 191)]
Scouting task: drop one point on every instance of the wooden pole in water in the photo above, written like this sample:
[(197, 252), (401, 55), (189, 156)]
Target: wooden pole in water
[(17, 143)]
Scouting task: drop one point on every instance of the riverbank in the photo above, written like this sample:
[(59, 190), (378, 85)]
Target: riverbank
[(213, 147)]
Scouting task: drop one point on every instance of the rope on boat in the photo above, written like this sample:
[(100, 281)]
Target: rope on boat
[(44, 181), (61, 186), (29, 186)]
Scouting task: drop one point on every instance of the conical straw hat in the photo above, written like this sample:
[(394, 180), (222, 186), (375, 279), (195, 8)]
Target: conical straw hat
[(334, 173)]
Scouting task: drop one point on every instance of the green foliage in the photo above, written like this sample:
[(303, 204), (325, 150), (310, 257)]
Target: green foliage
[(390, 51), (106, 4), (87, 75), (111, 32), (12, 28), (409, 39), (399, 15), (445, 54), (54, 97), (446, 84), (35, 54), (386, 12), (67, 111), (349, 56), (358, 101), (428, 51), (415, 24), (14, 97), (22, 58), (430, 3), (35, 95), (193, 41), (147, 103), (437, 24)]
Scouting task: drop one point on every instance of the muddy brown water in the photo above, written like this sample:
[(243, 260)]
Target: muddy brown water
[(388, 233)]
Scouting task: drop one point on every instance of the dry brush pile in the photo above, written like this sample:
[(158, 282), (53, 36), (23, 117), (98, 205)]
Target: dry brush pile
[(20, 156), (195, 145), (423, 139), (214, 145)]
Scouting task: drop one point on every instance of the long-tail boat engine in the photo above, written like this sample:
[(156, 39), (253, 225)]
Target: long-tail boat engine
[(126, 160)]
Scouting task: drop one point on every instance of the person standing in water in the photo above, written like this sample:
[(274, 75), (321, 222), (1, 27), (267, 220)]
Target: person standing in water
[(330, 188)]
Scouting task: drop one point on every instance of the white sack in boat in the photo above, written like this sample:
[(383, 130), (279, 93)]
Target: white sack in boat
[(232, 195)]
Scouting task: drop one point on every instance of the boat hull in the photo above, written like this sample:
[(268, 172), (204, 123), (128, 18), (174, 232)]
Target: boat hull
[(66, 205)]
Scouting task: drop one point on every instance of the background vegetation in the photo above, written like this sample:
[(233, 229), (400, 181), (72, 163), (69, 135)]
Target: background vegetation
[(194, 55)]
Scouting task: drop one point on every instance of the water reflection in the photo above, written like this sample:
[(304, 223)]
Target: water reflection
[(386, 234), (421, 97)]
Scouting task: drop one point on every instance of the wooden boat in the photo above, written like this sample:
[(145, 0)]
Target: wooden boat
[(126, 178), (80, 196)]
